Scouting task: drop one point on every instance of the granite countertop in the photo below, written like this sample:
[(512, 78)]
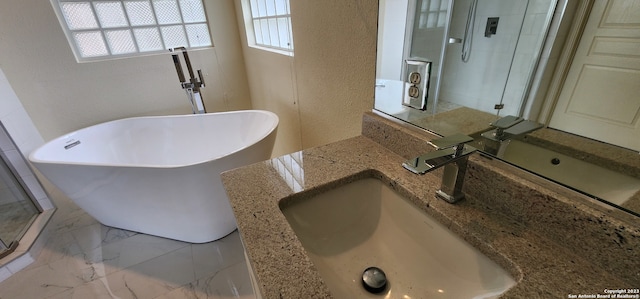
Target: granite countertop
[(552, 242)]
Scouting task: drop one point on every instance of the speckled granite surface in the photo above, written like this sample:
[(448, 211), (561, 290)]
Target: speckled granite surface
[(633, 203), (552, 241), (460, 120)]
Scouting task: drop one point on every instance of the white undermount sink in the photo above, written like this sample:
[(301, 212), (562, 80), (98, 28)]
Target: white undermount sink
[(365, 223)]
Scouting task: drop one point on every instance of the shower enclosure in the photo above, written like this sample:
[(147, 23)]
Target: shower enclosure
[(481, 52), (17, 207), (502, 43)]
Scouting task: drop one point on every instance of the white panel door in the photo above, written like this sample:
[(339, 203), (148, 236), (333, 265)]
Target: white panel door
[(601, 95)]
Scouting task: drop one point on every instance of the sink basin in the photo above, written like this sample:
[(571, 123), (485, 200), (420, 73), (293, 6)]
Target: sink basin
[(366, 224), (612, 186)]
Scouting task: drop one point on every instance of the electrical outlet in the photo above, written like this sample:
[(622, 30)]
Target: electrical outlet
[(416, 83)]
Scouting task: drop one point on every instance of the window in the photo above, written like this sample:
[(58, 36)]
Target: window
[(271, 20), (433, 14), (291, 169), (99, 29)]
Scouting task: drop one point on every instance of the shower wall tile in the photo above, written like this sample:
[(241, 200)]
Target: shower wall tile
[(539, 21), (494, 7), (490, 57), (538, 6)]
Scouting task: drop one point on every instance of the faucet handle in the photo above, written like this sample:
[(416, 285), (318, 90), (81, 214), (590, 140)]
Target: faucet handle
[(201, 78), (522, 128), (505, 123), (450, 141)]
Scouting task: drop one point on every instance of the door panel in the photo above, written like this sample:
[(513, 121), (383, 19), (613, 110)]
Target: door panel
[(601, 94)]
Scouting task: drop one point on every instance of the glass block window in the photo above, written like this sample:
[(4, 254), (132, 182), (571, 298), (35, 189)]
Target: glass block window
[(433, 14), (271, 21), (99, 29)]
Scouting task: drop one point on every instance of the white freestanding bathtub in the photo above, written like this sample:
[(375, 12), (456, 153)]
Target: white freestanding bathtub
[(159, 175)]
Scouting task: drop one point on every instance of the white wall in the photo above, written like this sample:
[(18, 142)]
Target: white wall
[(321, 92), (271, 81), (62, 95), (391, 32)]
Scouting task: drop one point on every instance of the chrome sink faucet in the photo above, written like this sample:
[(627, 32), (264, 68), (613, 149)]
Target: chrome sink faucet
[(505, 129), (453, 155), (510, 126)]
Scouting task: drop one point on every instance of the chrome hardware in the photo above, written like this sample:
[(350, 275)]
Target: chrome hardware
[(509, 127), (468, 31), (374, 280), (70, 145), (193, 86), (451, 153), (492, 27)]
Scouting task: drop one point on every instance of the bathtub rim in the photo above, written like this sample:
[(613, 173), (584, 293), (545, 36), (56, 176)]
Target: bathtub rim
[(271, 130)]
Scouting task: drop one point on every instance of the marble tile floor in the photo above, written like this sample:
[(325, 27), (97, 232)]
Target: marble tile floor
[(85, 259)]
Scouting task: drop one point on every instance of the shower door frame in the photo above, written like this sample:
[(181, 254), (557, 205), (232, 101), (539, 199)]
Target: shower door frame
[(6, 249)]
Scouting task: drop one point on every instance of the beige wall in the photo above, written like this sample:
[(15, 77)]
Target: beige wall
[(62, 95), (321, 92), (271, 83), (335, 56)]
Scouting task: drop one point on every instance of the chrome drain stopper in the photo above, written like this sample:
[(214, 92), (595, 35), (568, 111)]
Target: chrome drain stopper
[(374, 280)]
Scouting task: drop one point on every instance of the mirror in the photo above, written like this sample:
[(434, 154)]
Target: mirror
[(493, 70)]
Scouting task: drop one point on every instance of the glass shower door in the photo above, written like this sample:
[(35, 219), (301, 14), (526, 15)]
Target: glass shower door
[(17, 210), (487, 70)]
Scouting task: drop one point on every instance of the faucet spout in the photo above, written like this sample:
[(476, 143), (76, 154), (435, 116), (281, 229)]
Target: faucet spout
[(436, 159), (451, 154), (193, 86), (504, 130), (509, 127)]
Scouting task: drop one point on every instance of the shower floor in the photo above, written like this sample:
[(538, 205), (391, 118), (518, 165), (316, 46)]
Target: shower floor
[(14, 219), (85, 259)]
